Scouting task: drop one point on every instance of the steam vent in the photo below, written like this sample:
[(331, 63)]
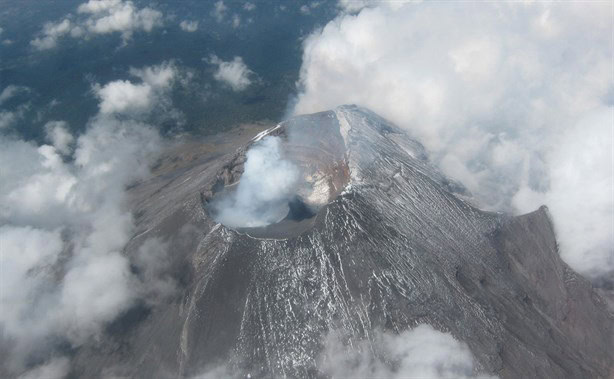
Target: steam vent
[(370, 239), (315, 146)]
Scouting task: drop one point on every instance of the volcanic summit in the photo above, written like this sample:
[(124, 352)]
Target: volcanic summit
[(368, 238)]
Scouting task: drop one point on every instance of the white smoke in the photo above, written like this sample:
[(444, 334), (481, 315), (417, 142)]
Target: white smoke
[(422, 352), (153, 261), (499, 93), (267, 184)]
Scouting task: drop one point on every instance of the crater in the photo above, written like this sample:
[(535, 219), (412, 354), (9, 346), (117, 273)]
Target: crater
[(314, 147)]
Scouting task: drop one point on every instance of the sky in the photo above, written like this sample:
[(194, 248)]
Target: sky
[(514, 100)]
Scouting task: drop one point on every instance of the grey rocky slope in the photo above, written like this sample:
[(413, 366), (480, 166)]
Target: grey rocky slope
[(391, 244)]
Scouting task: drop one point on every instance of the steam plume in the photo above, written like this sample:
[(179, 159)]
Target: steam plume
[(267, 184)]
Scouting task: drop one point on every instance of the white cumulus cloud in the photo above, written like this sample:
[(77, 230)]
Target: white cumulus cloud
[(234, 73), (63, 226), (7, 119), (57, 133), (51, 33), (491, 89), (422, 352), (11, 91), (189, 26), (124, 96), (236, 21), (99, 17), (10, 116), (219, 10)]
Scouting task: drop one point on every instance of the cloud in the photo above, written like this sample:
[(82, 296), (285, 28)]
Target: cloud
[(158, 76), (63, 226), (267, 185), (57, 133), (11, 91), (189, 26), (355, 6), (580, 193), (56, 368), (7, 119), (236, 21), (220, 371), (306, 9), (99, 17), (219, 10), (124, 96), (153, 263), (492, 91), (51, 33), (249, 6), (233, 73), (422, 352), (69, 218), (108, 16), (98, 6)]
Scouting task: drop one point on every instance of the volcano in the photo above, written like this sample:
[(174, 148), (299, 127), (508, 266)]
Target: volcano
[(375, 239)]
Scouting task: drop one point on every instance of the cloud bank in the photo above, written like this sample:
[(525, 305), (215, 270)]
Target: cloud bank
[(99, 17), (267, 184), (422, 352), (63, 226), (233, 73), (499, 93)]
